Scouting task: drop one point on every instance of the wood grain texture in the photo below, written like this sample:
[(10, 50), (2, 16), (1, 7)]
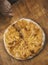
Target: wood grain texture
[(33, 9)]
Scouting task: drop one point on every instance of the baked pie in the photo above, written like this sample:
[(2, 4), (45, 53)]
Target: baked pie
[(24, 39)]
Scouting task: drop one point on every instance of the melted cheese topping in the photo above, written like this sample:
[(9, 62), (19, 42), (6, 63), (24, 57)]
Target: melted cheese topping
[(23, 39)]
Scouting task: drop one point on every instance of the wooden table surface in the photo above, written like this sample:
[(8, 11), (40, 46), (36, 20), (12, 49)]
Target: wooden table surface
[(36, 10)]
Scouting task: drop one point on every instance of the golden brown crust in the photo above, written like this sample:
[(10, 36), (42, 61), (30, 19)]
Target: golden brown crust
[(23, 39)]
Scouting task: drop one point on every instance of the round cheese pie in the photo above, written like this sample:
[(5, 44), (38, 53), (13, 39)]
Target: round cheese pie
[(24, 39)]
